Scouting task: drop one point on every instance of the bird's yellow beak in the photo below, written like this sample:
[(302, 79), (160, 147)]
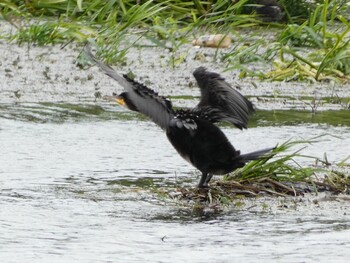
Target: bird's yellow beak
[(116, 99), (120, 101)]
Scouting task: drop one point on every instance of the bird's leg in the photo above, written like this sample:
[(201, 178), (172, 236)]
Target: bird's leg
[(207, 180), (203, 180)]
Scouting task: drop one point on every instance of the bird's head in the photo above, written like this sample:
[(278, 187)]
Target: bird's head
[(199, 72), (201, 76), (122, 99), (206, 78)]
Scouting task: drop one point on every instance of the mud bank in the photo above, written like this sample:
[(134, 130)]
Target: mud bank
[(50, 74)]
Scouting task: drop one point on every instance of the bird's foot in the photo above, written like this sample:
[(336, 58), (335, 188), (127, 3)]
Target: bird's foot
[(203, 186), (207, 180), (204, 182)]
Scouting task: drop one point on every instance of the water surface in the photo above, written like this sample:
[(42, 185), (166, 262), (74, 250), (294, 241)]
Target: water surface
[(76, 186)]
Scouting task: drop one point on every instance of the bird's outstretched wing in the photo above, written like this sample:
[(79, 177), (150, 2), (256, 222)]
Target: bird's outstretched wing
[(147, 101), (217, 93)]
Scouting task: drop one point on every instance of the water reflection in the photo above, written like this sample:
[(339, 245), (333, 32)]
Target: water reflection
[(61, 112)]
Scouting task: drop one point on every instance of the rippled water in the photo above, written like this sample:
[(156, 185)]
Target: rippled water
[(75, 187)]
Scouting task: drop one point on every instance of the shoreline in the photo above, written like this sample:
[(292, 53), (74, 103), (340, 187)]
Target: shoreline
[(50, 74)]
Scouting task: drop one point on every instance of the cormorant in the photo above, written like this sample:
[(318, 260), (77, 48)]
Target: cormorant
[(193, 132)]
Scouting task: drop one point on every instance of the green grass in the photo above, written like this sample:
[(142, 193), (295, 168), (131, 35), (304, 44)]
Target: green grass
[(278, 165), (332, 57), (311, 44), (277, 174), (316, 50)]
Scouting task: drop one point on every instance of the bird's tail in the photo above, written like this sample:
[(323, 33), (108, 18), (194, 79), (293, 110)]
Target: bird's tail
[(255, 155)]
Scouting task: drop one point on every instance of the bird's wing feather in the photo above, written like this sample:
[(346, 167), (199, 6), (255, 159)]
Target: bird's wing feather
[(217, 93), (215, 115), (147, 101), (108, 70)]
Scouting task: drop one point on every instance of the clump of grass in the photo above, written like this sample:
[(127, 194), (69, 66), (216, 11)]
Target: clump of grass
[(248, 53), (278, 165), (111, 38), (340, 181), (331, 59), (169, 34), (316, 50), (277, 174), (321, 65), (51, 32)]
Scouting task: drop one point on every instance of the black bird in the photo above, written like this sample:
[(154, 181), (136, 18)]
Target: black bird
[(193, 132)]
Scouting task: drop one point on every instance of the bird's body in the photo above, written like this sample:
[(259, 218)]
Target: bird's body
[(193, 132), (206, 148)]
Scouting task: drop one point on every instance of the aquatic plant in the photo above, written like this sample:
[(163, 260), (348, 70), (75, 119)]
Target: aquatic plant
[(278, 174), (51, 32), (316, 50), (331, 59), (283, 167), (320, 25)]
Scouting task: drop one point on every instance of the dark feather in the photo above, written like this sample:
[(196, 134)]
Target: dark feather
[(109, 71), (255, 155), (217, 93), (147, 101)]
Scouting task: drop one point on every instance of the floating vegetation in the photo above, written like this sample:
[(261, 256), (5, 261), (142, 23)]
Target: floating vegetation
[(278, 174)]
